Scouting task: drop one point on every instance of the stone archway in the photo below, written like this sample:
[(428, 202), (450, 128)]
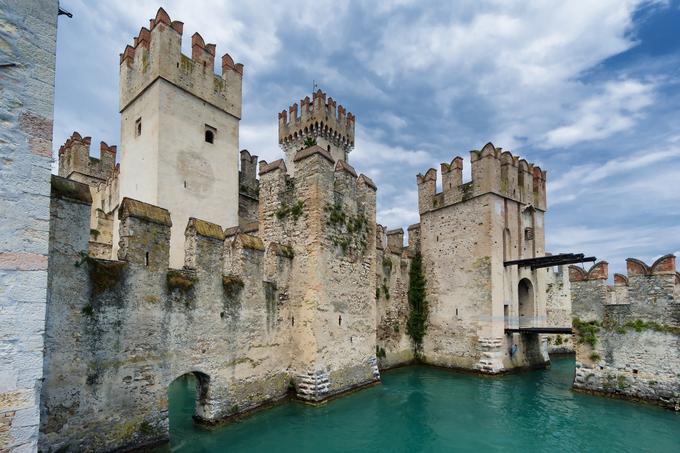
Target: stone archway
[(187, 400), (525, 292)]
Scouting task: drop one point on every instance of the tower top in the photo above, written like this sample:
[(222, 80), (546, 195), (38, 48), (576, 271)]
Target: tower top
[(329, 124), (318, 117), (156, 54)]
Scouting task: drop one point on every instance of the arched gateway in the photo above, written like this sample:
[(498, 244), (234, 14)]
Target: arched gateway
[(527, 310), (187, 399)]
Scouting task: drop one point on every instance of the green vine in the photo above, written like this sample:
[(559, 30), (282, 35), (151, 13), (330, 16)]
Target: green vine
[(350, 232), (294, 211), (386, 289), (310, 141), (586, 331), (639, 325), (417, 320), (387, 265)]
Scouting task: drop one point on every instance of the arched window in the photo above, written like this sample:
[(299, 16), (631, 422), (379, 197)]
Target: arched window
[(209, 136)]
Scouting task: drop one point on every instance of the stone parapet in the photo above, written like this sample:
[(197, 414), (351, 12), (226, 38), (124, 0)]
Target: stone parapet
[(156, 53), (493, 171), (626, 334)]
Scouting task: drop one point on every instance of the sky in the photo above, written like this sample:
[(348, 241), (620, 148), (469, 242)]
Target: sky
[(587, 90)]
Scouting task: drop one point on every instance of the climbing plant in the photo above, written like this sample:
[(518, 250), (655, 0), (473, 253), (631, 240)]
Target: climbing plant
[(417, 319), (349, 232), (310, 141), (294, 211)]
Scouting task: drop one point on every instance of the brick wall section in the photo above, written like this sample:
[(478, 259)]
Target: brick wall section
[(634, 363), (27, 59)]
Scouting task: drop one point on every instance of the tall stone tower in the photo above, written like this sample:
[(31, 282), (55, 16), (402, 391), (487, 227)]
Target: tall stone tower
[(179, 128), (468, 231), (332, 128)]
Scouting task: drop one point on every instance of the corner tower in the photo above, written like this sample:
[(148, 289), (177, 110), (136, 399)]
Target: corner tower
[(328, 123), (179, 128)]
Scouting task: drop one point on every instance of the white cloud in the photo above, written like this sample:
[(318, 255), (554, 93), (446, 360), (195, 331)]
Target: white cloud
[(584, 177), (613, 110), (369, 152), (523, 59)]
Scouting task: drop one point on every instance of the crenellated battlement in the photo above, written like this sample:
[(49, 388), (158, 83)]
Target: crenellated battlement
[(156, 54), (626, 334), (649, 293), (323, 120), (493, 171), (317, 117), (76, 163)]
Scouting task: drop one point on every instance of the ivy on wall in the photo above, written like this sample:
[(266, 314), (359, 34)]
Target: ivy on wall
[(350, 232), (293, 211), (417, 302)]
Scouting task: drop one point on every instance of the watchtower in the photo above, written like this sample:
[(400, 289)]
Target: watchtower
[(179, 128), (323, 120)]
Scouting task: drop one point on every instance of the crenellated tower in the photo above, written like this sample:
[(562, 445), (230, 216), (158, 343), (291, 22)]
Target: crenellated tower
[(75, 161), (179, 128), (322, 119), (468, 232)]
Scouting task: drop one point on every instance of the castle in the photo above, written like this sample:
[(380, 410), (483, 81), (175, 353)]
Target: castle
[(268, 280), (311, 294)]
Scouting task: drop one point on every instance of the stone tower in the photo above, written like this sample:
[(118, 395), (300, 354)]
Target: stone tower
[(179, 128), (333, 128), (467, 232)]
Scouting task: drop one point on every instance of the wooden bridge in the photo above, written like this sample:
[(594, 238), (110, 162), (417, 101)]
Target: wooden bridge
[(539, 330)]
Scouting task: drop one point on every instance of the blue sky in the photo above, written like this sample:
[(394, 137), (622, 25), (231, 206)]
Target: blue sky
[(590, 91)]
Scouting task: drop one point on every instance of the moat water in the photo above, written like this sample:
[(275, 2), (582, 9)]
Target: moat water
[(423, 409)]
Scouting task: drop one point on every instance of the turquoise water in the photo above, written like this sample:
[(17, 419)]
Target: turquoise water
[(422, 409)]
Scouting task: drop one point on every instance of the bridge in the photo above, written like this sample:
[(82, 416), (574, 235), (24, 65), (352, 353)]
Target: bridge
[(539, 330)]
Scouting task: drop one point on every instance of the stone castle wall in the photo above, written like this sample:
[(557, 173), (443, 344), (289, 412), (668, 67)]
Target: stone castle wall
[(292, 309), (627, 335), (393, 262), (558, 310), (28, 31), (119, 332), (326, 214)]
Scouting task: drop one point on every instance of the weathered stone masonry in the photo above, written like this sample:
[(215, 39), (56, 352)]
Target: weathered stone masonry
[(312, 297), (295, 306), (28, 31), (119, 332), (466, 233), (628, 334)]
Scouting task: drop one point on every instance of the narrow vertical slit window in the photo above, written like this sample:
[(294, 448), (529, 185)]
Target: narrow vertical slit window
[(210, 134), (138, 127)]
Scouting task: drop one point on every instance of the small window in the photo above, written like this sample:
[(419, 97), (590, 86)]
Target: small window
[(138, 127), (146, 259), (210, 134), (328, 148)]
